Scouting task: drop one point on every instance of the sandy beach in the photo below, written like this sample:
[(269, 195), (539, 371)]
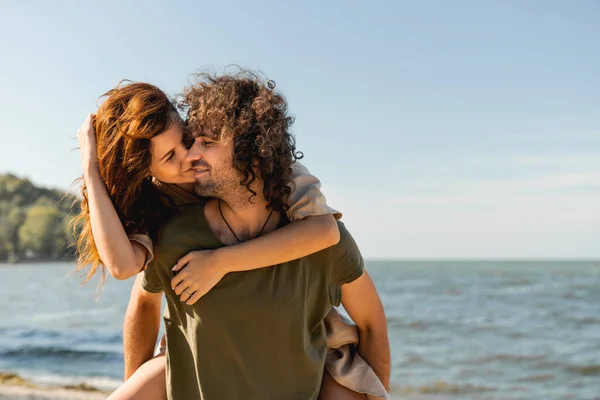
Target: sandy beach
[(13, 387), (11, 392)]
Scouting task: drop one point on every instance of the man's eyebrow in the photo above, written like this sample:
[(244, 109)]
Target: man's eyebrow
[(208, 135), (165, 156)]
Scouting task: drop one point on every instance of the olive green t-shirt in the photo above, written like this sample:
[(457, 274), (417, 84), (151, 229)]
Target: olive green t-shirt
[(257, 334)]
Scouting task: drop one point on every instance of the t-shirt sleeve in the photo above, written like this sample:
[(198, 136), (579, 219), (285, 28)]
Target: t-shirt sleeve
[(347, 264), (306, 198), (145, 241), (151, 281)]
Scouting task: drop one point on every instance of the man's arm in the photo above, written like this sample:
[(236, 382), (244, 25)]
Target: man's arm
[(361, 301), (140, 329)]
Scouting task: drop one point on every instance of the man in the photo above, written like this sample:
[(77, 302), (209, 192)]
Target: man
[(257, 334)]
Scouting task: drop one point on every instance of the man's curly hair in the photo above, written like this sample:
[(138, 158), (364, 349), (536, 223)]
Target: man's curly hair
[(246, 107)]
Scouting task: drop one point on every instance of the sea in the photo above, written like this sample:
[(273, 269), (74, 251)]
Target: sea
[(457, 329)]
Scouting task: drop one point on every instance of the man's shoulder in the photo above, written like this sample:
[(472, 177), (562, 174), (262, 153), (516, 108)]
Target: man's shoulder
[(346, 239), (345, 245), (346, 250)]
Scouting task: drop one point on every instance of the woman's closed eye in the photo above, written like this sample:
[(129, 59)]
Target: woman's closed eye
[(170, 157)]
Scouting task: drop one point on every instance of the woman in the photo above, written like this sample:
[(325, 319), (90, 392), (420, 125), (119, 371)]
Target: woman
[(135, 173)]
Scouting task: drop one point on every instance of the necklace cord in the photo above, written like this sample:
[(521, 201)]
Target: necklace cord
[(231, 230)]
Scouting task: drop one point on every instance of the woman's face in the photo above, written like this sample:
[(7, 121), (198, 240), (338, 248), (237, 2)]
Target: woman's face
[(169, 162)]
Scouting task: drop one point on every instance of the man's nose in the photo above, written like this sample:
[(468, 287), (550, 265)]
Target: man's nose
[(194, 153)]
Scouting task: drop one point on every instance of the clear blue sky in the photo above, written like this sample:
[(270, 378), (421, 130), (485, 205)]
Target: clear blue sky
[(466, 129)]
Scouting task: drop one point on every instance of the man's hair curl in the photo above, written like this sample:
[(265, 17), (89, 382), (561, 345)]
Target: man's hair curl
[(245, 107)]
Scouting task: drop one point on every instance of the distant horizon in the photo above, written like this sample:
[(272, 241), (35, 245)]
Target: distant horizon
[(405, 259)]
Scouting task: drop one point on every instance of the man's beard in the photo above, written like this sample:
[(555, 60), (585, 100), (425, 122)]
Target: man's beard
[(228, 189), (209, 189)]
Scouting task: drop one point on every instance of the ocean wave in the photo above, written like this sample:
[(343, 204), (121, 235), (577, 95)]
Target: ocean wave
[(576, 369), (80, 383), (441, 387), (81, 336), (62, 315), (49, 379), (586, 321), (27, 333), (416, 359), (41, 352), (585, 370), (537, 378), (506, 357), (516, 282), (395, 322)]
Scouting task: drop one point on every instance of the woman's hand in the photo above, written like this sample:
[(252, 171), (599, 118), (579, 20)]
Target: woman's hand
[(198, 273), (86, 136)]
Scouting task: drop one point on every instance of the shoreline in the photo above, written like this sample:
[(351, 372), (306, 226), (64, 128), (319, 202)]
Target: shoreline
[(15, 392), (13, 387)]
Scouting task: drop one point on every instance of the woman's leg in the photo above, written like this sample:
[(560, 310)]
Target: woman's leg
[(147, 383), (331, 390)]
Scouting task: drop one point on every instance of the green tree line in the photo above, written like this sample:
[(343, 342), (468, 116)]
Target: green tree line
[(34, 221)]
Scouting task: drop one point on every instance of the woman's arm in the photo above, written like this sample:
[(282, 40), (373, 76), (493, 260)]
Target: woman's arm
[(200, 271), (313, 229), (122, 258), (293, 241)]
